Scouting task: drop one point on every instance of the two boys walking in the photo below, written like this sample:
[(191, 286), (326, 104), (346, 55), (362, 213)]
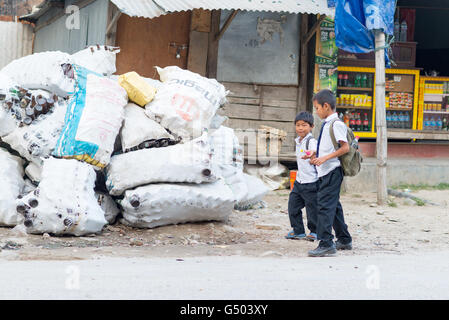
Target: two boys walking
[(319, 179)]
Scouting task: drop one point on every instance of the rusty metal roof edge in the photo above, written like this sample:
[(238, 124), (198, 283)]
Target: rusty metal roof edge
[(44, 7)]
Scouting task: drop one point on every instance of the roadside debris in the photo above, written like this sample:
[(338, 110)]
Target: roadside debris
[(97, 148)]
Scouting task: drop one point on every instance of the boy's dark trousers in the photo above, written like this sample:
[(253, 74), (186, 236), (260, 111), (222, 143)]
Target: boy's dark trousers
[(303, 195), (330, 211)]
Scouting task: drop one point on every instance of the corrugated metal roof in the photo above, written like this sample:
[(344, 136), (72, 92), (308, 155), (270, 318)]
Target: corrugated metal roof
[(156, 8), (40, 10), (16, 40)]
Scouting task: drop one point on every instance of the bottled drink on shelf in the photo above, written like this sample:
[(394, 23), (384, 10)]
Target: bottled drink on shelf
[(432, 123), (340, 80), (370, 81), (365, 122), (341, 116), (403, 35), (364, 81), (397, 30), (439, 123), (426, 123), (352, 121), (407, 120), (394, 120), (346, 118), (388, 119), (358, 122), (357, 80), (346, 80), (400, 120)]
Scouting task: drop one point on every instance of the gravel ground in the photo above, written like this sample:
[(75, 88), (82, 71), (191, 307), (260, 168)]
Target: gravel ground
[(405, 228)]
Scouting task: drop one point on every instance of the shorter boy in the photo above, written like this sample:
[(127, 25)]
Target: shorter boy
[(304, 193)]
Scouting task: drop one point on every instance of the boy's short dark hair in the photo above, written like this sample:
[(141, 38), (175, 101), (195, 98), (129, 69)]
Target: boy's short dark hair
[(325, 96), (305, 116)]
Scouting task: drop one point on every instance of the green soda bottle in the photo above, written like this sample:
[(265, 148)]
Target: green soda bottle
[(364, 81)]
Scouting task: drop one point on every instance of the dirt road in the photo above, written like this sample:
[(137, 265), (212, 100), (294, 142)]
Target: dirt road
[(255, 233)]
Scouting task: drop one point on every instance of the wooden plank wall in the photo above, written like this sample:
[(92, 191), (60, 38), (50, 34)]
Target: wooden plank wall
[(250, 106)]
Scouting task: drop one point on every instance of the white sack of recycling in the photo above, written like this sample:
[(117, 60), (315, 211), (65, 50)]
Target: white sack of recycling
[(137, 128), (109, 206), (38, 140), (65, 201), (154, 83), (186, 102), (162, 204), (256, 192), (7, 122), (94, 118), (44, 70), (189, 162), (11, 185), (227, 159), (100, 59)]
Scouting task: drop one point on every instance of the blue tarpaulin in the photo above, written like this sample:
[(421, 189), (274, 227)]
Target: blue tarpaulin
[(356, 20)]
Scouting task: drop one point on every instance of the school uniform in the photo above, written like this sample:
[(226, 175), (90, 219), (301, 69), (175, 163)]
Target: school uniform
[(304, 193), (330, 178)]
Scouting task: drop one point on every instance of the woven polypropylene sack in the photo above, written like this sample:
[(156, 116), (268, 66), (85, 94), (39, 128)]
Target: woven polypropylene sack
[(162, 204), (65, 201), (42, 70), (137, 128), (93, 119), (101, 59), (38, 140), (188, 162), (12, 183), (186, 102)]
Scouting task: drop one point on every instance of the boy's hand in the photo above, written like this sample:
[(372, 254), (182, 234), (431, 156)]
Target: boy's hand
[(318, 161), (309, 155)]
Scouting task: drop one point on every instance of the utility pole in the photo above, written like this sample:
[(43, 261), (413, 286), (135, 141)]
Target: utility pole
[(381, 140)]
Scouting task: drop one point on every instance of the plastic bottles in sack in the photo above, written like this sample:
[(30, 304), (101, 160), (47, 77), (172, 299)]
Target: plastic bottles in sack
[(49, 71), (156, 205), (64, 202), (189, 163)]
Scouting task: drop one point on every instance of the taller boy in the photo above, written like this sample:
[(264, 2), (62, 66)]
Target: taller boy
[(330, 178)]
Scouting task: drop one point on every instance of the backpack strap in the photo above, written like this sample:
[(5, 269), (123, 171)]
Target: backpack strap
[(307, 142), (332, 134)]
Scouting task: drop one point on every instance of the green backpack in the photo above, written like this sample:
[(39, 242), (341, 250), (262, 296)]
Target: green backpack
[(351, 162)]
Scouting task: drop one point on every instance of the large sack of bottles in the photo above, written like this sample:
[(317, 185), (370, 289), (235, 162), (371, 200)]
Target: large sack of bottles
[(81, 147)]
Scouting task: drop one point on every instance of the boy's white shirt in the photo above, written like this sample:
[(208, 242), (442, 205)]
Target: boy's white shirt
[(327, 147), (306, 172)]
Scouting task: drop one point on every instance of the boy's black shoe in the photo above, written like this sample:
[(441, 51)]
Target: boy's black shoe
[(342, 246), (323, 251)]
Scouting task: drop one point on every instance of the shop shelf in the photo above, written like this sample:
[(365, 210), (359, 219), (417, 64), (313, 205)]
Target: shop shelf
[(355, 88), (352, 107)]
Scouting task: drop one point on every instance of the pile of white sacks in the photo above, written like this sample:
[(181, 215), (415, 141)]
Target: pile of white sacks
[(77, 153)]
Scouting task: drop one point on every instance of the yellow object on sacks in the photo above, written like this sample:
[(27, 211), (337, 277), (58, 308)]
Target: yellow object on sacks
[(139, 91)]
